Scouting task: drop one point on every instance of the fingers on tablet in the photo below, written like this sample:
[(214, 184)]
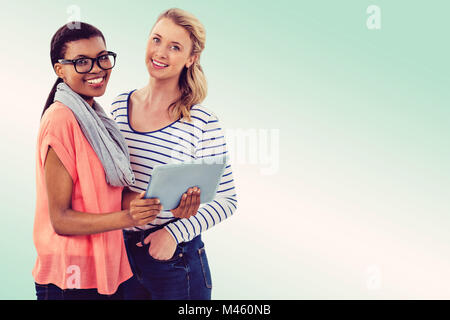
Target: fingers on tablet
[(187, 211), (197, 202), (148, 202), (183, 204)]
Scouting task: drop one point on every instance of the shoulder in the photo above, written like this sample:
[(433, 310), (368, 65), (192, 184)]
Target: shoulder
[(121, 100), (123, 96), (204, 113), (58, 113), (59, 127)]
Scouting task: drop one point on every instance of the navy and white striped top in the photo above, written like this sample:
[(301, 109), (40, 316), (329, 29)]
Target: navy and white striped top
[(175, 143)]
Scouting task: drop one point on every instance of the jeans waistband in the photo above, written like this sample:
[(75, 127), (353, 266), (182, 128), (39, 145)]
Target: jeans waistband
[(139, 236)]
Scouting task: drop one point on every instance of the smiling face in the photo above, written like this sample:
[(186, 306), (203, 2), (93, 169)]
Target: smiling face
[(168, 50), (88, 85)]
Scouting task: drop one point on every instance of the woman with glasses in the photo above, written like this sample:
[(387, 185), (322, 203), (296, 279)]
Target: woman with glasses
[(164, 122), (82, 165)]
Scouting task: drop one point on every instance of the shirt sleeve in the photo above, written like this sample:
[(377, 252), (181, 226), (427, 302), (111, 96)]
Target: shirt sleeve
[(117, 107), (57, 132), (225, 201)]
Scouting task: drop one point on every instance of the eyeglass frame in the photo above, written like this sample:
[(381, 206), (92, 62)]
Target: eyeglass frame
[(93, 60)]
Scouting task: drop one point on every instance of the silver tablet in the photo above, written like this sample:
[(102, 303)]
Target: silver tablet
[(169, 181)]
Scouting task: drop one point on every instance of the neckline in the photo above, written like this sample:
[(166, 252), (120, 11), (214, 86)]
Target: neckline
[(129, 121)]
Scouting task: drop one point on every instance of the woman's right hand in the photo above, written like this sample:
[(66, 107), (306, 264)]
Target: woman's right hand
[(143, 211)]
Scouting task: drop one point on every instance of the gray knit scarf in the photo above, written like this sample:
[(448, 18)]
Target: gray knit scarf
[(103, 135)]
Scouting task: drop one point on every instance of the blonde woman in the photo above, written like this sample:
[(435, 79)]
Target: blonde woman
[(164, 122)]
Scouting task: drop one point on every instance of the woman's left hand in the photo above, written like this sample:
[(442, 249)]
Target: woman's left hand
[(189, 204), (162, 244)]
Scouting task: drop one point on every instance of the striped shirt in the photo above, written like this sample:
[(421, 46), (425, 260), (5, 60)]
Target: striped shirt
[(202, 137)]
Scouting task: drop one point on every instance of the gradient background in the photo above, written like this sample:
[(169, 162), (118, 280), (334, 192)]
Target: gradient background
[(360, 205)]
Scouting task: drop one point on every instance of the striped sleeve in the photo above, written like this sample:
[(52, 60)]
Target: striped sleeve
[(119, 105), (224, 205)]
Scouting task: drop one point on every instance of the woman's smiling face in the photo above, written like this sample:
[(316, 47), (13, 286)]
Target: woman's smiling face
[(168, 50), (93, 83)]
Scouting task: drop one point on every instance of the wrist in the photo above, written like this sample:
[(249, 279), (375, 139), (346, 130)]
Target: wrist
[(127, 221), (127, 197), (171, 235)]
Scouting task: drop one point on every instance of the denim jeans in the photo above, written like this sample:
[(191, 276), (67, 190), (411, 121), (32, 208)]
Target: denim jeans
[(52, 292), (186, 276)]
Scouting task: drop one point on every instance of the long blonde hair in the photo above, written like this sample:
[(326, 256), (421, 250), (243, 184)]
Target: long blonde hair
[(192, 82)]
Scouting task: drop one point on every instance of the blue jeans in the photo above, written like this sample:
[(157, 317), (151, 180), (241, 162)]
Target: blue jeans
[(52, 292), (186, 276)]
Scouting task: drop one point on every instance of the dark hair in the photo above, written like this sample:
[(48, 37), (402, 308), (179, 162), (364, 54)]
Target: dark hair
[(71, 31)]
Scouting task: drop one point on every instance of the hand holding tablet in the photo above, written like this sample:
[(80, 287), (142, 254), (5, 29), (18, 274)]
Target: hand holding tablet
[(189, 204), (143, 211)]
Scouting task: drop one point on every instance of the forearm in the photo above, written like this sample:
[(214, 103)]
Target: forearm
[(209, 215), (71, 222), (221, 208), (66, 221)]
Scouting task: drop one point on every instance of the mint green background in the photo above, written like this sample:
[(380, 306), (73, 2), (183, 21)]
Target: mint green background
[(364, 127)]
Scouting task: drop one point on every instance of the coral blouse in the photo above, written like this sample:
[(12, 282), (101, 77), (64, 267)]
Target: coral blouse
[(83, 262)]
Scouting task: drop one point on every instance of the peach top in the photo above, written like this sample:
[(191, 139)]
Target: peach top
[(83, 262)]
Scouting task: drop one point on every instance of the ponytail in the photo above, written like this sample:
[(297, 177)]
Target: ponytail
[(193, 87), (51, 96)]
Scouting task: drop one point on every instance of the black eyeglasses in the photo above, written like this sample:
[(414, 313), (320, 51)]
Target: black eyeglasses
[(85, 65)]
